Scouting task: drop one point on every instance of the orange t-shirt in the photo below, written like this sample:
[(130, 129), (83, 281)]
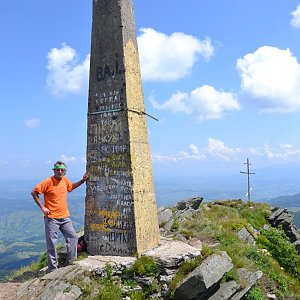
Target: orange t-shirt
[(55, 196)]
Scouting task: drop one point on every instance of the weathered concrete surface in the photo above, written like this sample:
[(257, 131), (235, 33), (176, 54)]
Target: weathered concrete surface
[(170, 253), (96, 263), (121, 214)]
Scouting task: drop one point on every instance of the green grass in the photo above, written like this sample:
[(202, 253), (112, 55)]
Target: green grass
[(110, 290), (216, 225), (145, 266), (221, 222), (255, 293), (275, 241)]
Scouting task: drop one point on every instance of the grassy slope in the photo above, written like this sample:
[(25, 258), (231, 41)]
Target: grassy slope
[(217, 225), (22, 231), (220, 222)]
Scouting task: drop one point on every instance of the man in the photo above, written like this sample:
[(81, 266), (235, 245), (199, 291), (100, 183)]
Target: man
[(56, 213)]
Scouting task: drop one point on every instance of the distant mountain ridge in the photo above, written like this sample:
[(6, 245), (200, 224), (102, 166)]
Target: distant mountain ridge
[(288, 200)]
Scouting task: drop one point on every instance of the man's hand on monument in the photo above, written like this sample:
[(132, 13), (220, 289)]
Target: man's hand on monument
[(85, 177)]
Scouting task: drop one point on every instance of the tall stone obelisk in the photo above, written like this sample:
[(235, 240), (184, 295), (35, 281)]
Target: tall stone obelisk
[(121, 214)]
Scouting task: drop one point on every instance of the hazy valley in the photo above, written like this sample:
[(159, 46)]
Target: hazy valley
[(21, 222)]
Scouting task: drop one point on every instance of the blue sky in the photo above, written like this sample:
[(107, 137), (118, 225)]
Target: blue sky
[(222, 77)]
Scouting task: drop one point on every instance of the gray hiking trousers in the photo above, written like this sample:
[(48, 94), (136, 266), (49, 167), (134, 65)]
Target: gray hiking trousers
[(52, 226)]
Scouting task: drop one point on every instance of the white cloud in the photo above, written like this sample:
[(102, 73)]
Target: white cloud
[(66, 159), (3, 162), (271, 76), (295, 22), (163, 158), (282, 152), (32, 123), (166, 58), (194, 154), (216, 150), (163, 58), (66, 74), (204, 103), (195, 149)]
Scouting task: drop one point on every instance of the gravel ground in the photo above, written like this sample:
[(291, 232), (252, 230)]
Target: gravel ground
[(8, 290)]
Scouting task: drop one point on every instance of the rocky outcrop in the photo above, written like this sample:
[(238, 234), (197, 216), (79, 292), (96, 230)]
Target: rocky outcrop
[(246, 236), (55, 285), (226, 290), (169, 217), (249, 279), (190, 204), (281, 217), (203, 281)]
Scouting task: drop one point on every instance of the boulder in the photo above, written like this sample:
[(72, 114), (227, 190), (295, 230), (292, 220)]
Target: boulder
[(192, 203), (225, 291), (164, 216), (205, 278), (248, 279), (246, 236)]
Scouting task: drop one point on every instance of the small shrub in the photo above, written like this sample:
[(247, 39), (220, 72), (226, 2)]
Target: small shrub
[(231, 275), (227, 238), (206, 251), (111, 291), (162, 224), (150, 289), (109, 271), (137, 295), (237, 226), (255, 293), (87, 288), (43, 261), (256, 215), (175, 225), (276, 242), (263, 260), (145, 266), (187, 233)]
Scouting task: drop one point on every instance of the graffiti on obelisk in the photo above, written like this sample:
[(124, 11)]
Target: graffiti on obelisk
[(121, 214)]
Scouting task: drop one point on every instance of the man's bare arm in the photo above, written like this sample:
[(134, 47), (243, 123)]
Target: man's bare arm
[(80, 182), (38, 201)]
